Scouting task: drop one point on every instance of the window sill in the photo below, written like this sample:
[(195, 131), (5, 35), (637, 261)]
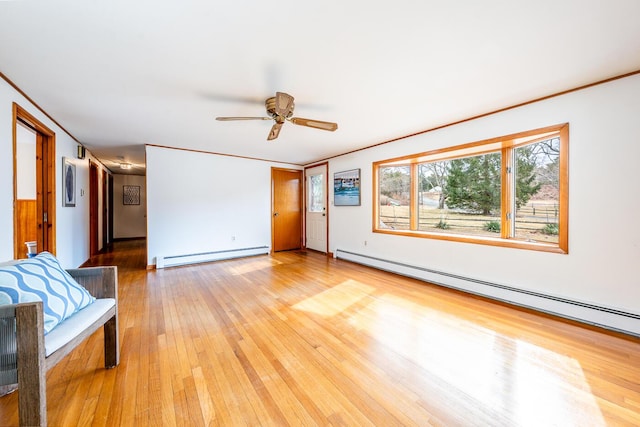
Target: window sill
[(488, 241)]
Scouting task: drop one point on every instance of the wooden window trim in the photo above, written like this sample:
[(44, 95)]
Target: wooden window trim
[(505, 145)]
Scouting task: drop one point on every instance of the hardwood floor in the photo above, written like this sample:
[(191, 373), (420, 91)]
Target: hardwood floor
[(298, 339)]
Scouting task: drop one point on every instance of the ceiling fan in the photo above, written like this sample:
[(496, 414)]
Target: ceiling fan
[(280, 108)]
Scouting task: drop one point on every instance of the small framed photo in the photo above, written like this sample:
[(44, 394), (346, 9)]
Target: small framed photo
[(68, 183), (346, 188), (130, 194)]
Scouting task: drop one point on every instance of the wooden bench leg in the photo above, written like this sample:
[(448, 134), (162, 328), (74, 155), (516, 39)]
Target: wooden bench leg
[(111, 346), (32, 380)]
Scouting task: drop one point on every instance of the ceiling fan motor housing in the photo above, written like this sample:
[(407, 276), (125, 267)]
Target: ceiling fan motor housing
[(270, 104)]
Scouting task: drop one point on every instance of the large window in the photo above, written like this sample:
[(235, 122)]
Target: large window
[(508, 191)]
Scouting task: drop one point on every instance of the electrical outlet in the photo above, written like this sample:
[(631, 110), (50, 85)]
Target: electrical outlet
[(233, 238)]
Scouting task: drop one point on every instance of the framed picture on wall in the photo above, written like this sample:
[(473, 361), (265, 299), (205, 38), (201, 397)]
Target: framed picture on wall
[(68, 183), (346, 188), (130, 194)]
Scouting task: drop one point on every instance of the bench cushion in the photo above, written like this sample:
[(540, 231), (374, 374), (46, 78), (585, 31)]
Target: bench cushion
[(43, 279), (74, 325)]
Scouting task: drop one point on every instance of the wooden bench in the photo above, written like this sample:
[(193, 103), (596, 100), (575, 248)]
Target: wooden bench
[(36, 353)]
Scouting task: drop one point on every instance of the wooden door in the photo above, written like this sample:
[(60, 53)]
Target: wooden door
[(286, 209), (105, 204), (316, 208), (43, 185), (110, 210), (93, 208)]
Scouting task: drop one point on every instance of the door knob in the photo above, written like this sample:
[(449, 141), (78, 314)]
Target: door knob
[(275, 214)]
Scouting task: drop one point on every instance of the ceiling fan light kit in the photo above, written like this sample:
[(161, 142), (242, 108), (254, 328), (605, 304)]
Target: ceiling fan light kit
[(280, 109)]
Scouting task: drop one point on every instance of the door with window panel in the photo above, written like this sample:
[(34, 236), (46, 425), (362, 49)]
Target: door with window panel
[(316, 215)]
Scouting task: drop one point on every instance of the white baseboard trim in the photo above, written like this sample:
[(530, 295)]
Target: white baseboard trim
[(604, 317), (176, 260)]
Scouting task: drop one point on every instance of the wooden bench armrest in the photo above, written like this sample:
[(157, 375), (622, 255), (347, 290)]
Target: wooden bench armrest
[(101, 282)]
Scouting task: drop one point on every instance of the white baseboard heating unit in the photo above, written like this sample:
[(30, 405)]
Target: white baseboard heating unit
[(175, 260), (605, 317)]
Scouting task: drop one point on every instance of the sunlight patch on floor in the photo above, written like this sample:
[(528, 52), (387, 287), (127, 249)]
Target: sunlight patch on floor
[(527, 383), (556, 383), (336, 299), (255, 265)]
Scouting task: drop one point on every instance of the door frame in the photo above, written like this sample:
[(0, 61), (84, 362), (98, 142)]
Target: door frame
[(46, 182), (326, 203)]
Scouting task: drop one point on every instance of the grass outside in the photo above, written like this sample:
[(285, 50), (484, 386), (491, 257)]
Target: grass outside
[(531, 220)]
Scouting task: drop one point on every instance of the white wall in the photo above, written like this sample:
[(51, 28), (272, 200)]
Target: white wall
[(129, 220), (72, 223), (198, 202), (604, 202), (26, 163)]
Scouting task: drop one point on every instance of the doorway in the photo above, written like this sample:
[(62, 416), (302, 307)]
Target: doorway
[(34, 184), (286, 209), (110, 212), (93, 208), (105, 204), (316, 236)]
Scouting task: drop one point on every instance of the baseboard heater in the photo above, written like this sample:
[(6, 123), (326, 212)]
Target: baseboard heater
[(175, 260), (604, 317)]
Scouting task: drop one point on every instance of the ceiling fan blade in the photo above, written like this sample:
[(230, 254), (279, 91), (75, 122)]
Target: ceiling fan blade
[(226, 119), (314, 123), (275, 131), (284, 104)]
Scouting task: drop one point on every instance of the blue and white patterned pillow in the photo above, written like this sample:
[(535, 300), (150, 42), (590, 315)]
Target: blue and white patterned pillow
[(42, 278)]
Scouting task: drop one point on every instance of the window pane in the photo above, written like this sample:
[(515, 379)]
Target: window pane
[(394, 197), (316, 193), (472, 196), (432, 212), (537, 191)]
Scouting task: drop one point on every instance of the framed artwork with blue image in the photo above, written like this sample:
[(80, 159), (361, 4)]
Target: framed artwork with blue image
[(346, 188)]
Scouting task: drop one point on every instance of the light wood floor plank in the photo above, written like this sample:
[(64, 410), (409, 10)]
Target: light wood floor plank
[(298, 339)]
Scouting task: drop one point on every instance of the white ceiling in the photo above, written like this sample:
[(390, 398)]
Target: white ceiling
[(121, 74)]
